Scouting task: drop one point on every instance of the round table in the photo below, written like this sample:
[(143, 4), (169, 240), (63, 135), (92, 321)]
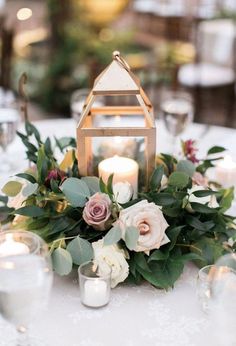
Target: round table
[(136, 315)]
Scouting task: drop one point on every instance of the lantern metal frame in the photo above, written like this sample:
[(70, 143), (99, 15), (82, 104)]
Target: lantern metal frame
[(116, 79)]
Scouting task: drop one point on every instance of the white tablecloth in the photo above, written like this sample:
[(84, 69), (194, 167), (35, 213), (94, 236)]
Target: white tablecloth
[(136, 315)]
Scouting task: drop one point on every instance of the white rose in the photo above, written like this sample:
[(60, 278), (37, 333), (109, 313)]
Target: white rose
[(112, 258), (149, 220), (210, 200), (123, 192)]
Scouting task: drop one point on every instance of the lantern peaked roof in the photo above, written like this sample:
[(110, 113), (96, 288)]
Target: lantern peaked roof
[(117, 79)]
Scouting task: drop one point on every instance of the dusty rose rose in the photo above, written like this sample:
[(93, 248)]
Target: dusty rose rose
[(97, 211), (149, 220), (199, 179)]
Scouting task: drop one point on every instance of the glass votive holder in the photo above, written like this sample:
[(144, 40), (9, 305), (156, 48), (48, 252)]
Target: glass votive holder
[(204, 280), (94, 287)]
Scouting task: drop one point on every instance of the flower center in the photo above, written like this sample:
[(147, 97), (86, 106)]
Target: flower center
[(143, 228)]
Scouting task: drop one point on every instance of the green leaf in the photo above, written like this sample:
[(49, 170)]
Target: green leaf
[(141, 261), (32, 130), (178, 179), (29, 189), (62, 261), (81, 250), (76, 191), (204, 193), (158, 255), (215, 150), (47, 147), (102, 186), (189, 257), (12, 188), (171, 211), (163, 198), (172, 234), (131, 237), (41, 165), (92, 183), (109, 184), (202, 208), (27, 176), (227, 198), (201, 226), (209, 249), (31, 211), (163, 273), (186, 166), (155, 181), (113, 236)]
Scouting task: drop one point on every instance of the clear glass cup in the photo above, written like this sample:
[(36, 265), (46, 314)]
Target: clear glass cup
[(177, 113), (223, 300), (25, 281), (77, 102), (9, 121), (94, 287), (204, 279)]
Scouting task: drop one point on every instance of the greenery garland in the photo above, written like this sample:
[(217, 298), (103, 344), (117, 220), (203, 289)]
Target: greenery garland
[(181, 217)]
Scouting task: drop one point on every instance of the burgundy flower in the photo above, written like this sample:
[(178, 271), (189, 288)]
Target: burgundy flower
[(189, 150), (55, 174)]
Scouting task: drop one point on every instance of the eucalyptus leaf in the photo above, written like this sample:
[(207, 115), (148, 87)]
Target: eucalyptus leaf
[(81, 250), (76, 191), (178, 179), (62, 261), (92, 183), (186, 166), (113, 236), (12, 188), (29, 189), (131, 237)]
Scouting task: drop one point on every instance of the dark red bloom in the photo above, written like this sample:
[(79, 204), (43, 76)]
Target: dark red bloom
[(55, 174), (189, 150)]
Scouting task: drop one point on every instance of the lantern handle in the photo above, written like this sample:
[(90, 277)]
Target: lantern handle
[(120, 60)]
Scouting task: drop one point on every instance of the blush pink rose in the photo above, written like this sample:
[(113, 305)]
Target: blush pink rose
[(97, 211), (199, 179)]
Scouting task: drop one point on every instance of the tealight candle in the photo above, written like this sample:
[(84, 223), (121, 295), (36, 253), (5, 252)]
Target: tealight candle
[(94, 286), (95, 293), (226, 172), (11, 247), (123, 168)]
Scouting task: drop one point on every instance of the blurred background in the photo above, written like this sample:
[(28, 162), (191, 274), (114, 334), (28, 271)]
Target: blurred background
[(172, 45)]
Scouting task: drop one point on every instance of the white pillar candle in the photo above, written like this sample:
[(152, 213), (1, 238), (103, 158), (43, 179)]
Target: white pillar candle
[(10, 247), (95, 293), (226, 172), (123, 168)]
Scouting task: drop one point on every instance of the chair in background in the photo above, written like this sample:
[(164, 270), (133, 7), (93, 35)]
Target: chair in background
[(211, 79)]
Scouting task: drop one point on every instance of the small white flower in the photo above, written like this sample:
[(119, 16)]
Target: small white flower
[(111, 257), (123, 192)]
